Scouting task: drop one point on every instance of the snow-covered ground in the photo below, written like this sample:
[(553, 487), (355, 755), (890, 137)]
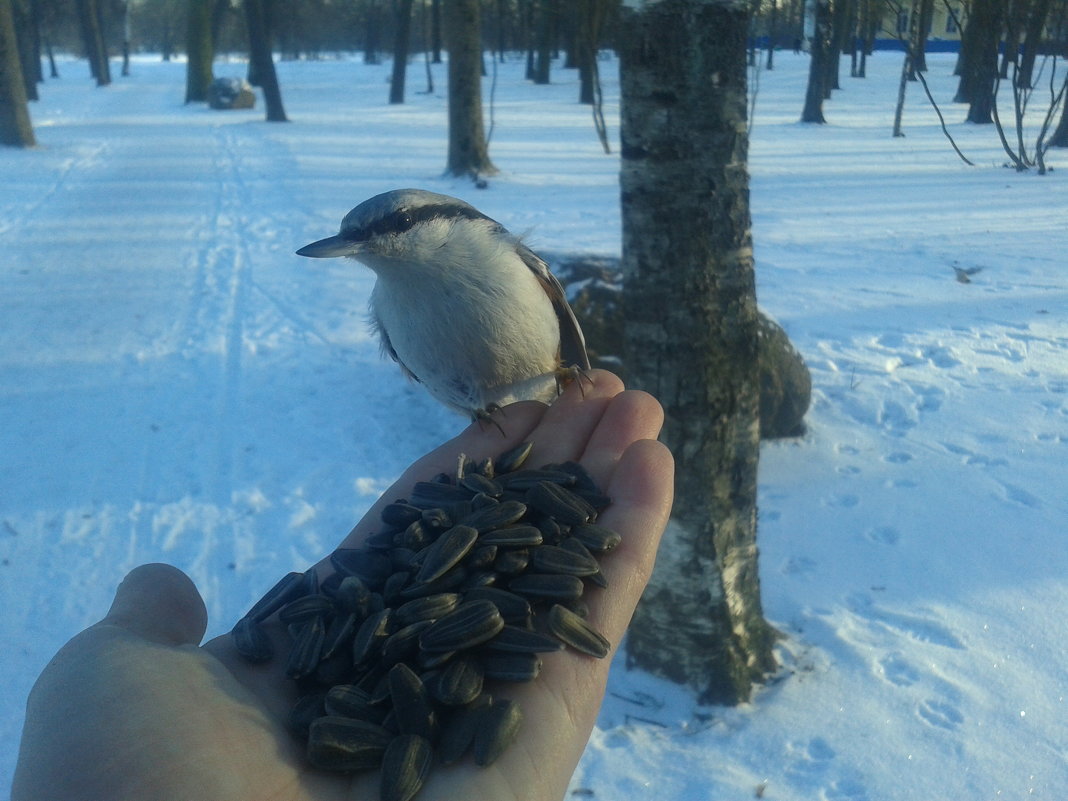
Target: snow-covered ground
[(176, 385)]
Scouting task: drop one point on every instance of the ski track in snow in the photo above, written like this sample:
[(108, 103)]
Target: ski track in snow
[(185, 389)]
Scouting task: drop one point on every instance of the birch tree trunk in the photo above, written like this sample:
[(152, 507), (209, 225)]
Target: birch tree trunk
[(15, 127), (468, 151), (691, 335)]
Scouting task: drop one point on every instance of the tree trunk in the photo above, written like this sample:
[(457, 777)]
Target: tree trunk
[(199, 51), (979, 60), (544, 49), (691, 335), (400, 50), (1059, 138), (1036, 21), (817, 69), (15, 127), (93, 38), (261, 58), (908, 66), (468, 151), (370, 42)]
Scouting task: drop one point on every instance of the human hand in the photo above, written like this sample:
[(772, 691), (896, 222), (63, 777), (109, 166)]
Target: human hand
[(132, 708)]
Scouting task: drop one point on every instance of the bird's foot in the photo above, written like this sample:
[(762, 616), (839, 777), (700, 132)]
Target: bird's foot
[(485, 416), (565, 375)]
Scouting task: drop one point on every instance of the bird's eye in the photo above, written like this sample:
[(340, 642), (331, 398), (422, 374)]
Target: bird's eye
[(404, 221)]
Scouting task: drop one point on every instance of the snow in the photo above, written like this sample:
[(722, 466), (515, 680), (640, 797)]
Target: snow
[(176, 385)]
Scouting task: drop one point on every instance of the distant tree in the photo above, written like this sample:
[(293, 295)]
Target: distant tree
[(979, 59), (819, 48), (199, 50), (89, 16), (29, 45), (543, 51), (908, 67), (691, 335), (401, 34), (262, 60), (15, 127), (371, 32), (468, 150), (1036, 21)]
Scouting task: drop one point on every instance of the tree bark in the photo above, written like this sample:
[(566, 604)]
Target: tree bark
[(15, 127), (817, 70), (1036, 21), (199, 51), (544, 47), (468, 151), (95, 49), (691, 335), (979, 60), (401, 37), (261, 58)]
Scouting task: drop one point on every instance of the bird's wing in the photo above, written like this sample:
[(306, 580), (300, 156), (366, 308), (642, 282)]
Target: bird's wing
[(387, 347), (572, 342)]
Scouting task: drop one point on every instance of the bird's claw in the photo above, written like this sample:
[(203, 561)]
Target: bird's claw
[(565, 375), (484, 416)]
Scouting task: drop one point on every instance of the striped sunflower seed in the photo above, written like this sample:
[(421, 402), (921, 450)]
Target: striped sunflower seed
[(459, 683), (510, 667), (251, 641), (349, 701), (513, 458), (560, 503), (429, 607), (547, 586), (306, 608), (307, 650), (596, 538), (500, 727), (514, 639), (459, 733), (446, 552), (576, 632), (405, 765), (554, 559), (346, 744), (411, 703), (494, 516), (471, 624), (513, 536), (513, 608)]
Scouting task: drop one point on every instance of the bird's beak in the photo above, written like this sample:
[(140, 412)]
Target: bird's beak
[(329, 248)]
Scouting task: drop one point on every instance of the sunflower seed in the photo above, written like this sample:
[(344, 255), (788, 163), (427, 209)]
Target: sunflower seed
[(370, 566), (306, 608), (500, 726), (554, 559), (596, 538), (430, 607), (436, 519), (488, 518), (514, 536), (353, 595), (546, 586), (346, 744), (471, 624), (476, 483), (350, 701), (288, 587), (435, 494), (459, 733), (560, 503), (576, 632), (403, 644), (417, 535), (514, 639), (307, 650), (400, 514), (405, 765), (251, 641), (513, 458), (529, 478), (307, 709), (459, 683), (510, 667), (575, 545), (370, 636), (446, 552), (513, 608), (411, 703), (481, 557)]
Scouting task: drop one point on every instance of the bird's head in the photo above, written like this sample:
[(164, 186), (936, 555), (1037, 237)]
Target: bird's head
[(410, 227)]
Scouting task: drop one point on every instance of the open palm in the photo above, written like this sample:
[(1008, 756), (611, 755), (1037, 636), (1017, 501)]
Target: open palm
[(134, 708)]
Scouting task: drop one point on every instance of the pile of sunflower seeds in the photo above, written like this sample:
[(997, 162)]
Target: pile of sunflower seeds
[(470, 578)]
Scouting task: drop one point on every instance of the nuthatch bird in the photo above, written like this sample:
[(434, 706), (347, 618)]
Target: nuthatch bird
[(463, 306)]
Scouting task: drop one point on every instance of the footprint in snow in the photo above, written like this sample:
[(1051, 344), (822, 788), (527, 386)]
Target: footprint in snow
[(941, 714)]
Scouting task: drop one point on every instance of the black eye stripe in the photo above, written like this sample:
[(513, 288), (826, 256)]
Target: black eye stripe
[(398, 222)]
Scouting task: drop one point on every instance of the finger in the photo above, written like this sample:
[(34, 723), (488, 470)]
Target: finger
[(159, 603), (563, 432), (641, 488), (631, 416)]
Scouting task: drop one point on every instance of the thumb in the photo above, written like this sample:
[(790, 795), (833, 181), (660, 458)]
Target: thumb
[(159, 603)]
